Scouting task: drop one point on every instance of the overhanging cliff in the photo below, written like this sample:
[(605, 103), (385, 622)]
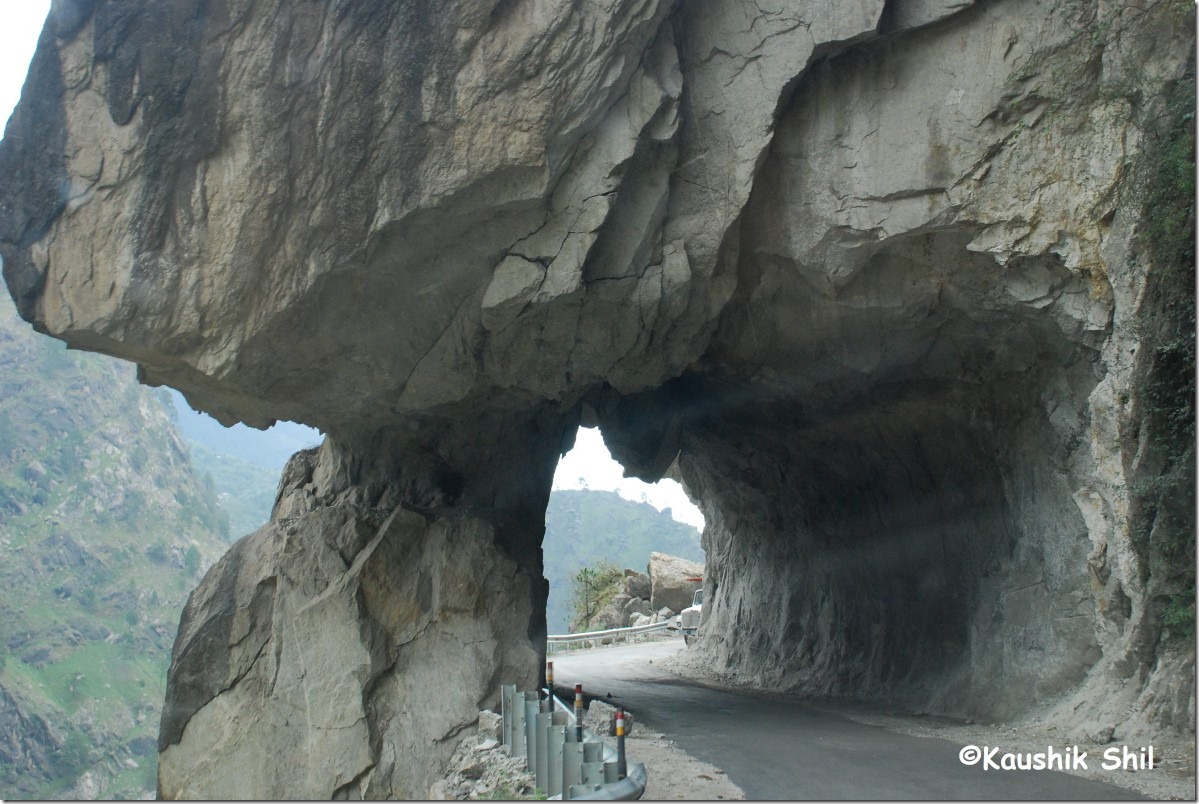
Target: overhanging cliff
[(866, 276)]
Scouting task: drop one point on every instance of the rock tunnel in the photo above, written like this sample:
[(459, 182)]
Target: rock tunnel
[(858, 274)]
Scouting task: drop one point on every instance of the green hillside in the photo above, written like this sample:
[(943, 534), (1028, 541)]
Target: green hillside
[(245, 491), (105, 528), (584, 527)]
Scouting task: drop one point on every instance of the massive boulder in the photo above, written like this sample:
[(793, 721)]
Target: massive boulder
[(613, 614), (869, 277), (674, 581)]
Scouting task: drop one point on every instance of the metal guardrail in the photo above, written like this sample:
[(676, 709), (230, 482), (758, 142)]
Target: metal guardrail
[(564, 767), (611, 634)]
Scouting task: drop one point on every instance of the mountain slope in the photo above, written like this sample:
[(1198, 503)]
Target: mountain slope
[(245, 490), (105, 528)]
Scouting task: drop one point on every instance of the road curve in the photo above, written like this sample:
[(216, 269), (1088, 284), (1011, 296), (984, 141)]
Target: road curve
[(775, 746)]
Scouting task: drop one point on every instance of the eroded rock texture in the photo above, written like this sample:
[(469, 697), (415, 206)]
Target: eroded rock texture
[(865, 275), (340, 650)]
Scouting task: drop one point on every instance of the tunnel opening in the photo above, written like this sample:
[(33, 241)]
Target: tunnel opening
[(602, 521)]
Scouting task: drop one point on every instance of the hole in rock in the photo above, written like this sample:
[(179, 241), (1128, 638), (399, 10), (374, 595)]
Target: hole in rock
[(244, 464), (597, 519)]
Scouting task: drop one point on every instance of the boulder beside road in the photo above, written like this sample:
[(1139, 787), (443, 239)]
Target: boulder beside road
[(601, 719), (670, 580), (637, 584)]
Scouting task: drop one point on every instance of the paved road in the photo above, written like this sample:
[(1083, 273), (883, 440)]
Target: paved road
[(778, 747)]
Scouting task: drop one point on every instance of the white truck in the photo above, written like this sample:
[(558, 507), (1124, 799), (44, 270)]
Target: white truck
[(687, 620)]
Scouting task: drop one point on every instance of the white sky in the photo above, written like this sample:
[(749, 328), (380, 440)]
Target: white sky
[(20, 24), (588, 465)]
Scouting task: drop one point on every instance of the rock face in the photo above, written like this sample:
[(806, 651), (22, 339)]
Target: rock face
[(27, 742), (354, 632), (865, 275), (330, 643)]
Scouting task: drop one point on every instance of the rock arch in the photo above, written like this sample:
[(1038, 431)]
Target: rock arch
[(860, 274)]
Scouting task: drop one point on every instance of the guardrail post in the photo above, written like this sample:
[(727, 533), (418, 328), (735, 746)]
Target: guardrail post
[(555, 751), (507, 695), (541, 770), (572, 763), (519, 742), (593, 763), (532, 704)]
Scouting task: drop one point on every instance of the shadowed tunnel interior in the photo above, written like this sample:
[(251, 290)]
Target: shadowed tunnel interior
[(889, 502)]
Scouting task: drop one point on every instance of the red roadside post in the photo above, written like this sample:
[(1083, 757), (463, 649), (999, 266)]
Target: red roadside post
[(578, 713), (622, 765)]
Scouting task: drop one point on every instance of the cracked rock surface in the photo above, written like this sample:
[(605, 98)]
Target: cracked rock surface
[(864, 275)]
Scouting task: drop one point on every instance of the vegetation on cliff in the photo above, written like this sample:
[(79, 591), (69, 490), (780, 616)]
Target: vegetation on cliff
[(590, 590), (1109, 60), (1167, 196)]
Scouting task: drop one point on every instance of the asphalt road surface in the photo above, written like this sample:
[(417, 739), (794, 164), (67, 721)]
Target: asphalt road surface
[(776, 746)]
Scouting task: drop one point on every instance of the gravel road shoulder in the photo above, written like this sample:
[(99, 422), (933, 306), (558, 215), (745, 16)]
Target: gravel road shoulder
[(673, 775)]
